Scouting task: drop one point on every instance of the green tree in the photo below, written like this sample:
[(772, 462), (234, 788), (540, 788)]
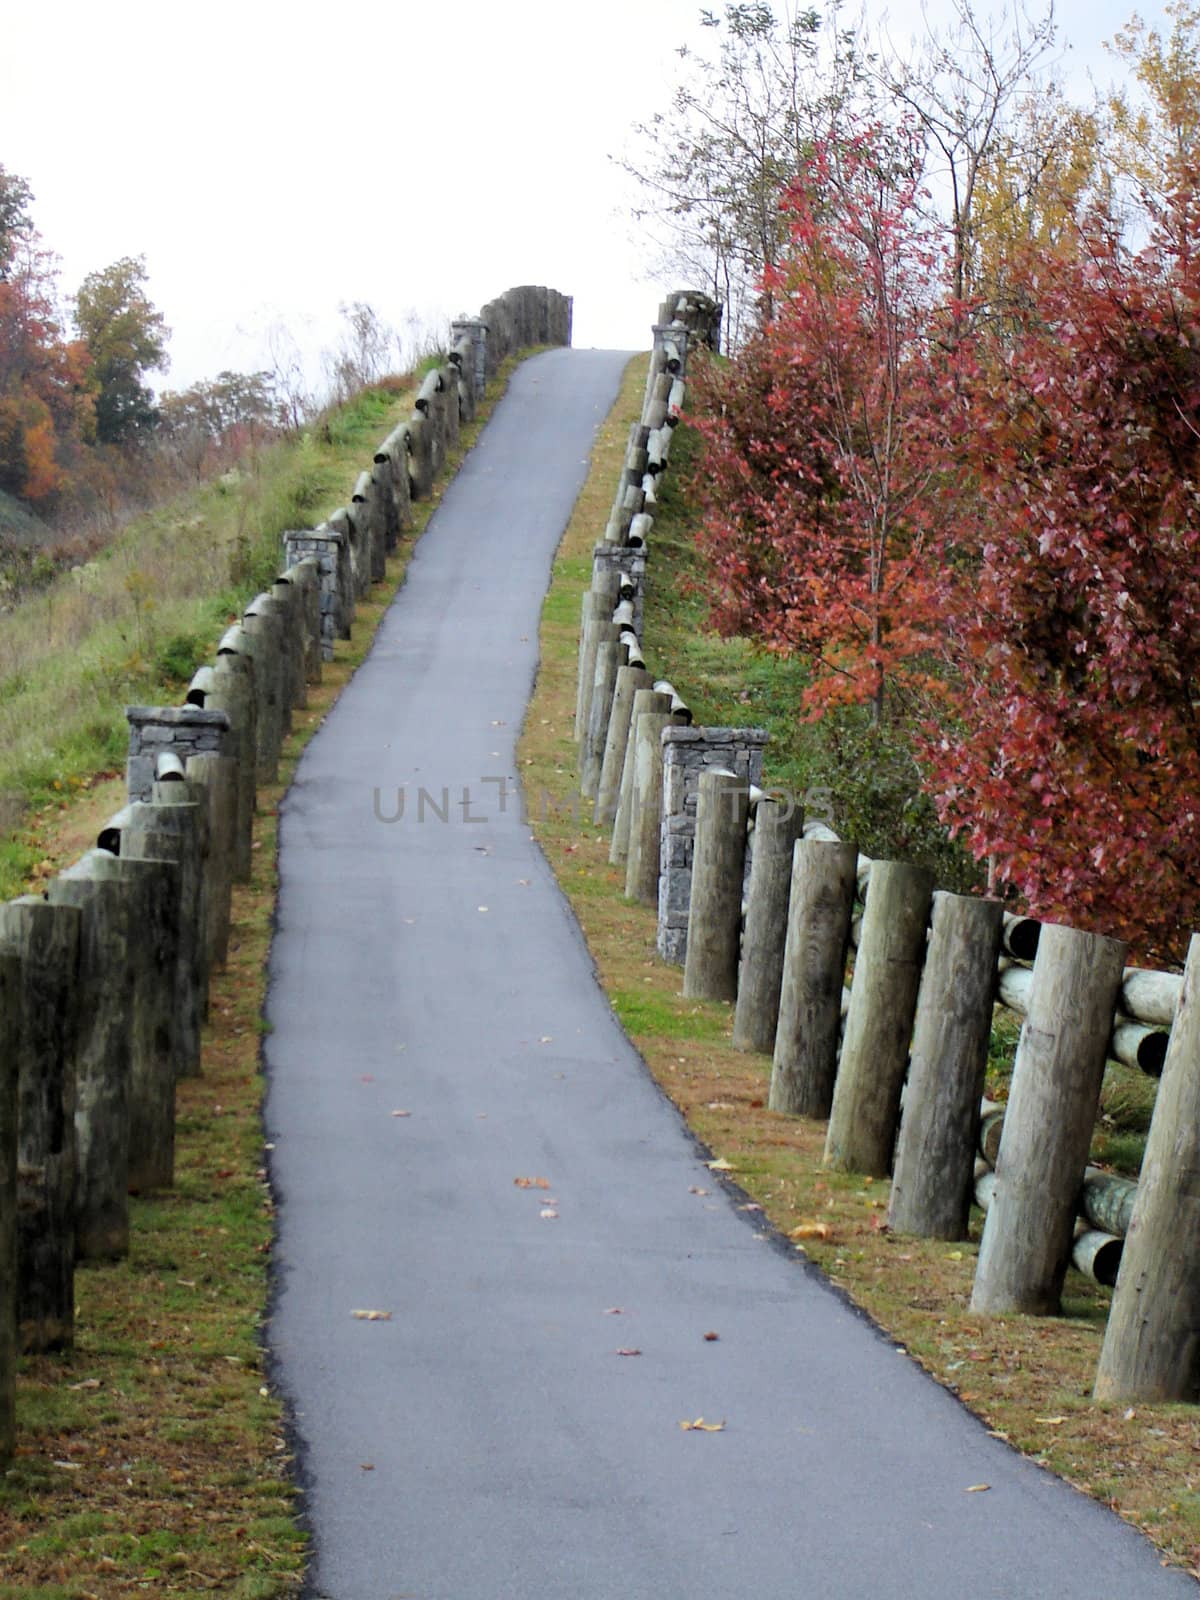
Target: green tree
[(126, 338)]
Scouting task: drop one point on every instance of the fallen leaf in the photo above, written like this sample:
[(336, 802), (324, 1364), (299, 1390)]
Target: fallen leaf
[(811, 1230), (86, 1383), (1130, 1414), (750, 1207), (483, 908), (547, 1038), (954, 1255), (700, 1426), (548, 1213), (692, 1189), (402, 1113), (976, 1488), (367, 1466), (532, 1183), (711, 1336), (69, 1466), (1050, 1422), (720, 1165), (372, 1316), (615, 1311), (629, 1352), (720, 1105)]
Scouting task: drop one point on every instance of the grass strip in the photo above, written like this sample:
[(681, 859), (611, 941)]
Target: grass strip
[(1029, 1378)]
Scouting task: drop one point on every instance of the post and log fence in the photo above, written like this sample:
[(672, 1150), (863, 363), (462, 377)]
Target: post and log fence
[(873, 992), (104, 977)]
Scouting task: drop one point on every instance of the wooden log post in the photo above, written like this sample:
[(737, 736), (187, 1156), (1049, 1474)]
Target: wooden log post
[(290, 597), (1151, 1346), (644, 700), (212, 780), (167, 831), (814, 967), (103, 1056), (1048, 1123), (10, 980), (883, 1002), (260, 632), (608, 791), (267, 611), (45, 940), (710, 969), (645, 809), (777, 826), (1107, 1201), (939, 1130), (611, 655), (232, 691), (598, 604), (154, 886), (595, 633)]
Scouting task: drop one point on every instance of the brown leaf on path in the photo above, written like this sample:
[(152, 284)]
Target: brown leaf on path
[(402, 1113), (711, 1336), (367, 1466), (700, 1426), (532, 1183), (615, 1311), (695, 1189), (976, 1488), (372, 1316), (629, 1352)]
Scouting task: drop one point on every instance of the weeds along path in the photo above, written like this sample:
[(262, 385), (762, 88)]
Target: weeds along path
[(501, 1259)]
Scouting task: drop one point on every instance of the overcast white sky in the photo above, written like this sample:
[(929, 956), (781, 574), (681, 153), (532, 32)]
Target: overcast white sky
[(271, 161)]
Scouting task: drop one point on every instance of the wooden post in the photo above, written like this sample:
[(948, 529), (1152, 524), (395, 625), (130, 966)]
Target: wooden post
[(262, 629), (879, 1024), (645, 813), (164, 832), (644, 701), (599, 603), (104, 984), (233, 692), (10, 982), (814, 967), (710, 968), (935, 1156), (213, 781), (154, 885), (1151, 1346), (45, 940), (611, 655), (1048, 1123), (608, 791), (777, 826), (597, 634)]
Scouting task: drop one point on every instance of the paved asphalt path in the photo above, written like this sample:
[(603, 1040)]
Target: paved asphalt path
[(488, 1442)]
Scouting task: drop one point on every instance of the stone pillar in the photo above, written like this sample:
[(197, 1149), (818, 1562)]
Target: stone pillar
[(327, 547), (687, 752), (469, 335), (182, 730)]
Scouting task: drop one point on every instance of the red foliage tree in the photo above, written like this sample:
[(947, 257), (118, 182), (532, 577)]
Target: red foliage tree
[(1076, 640), (819, 521)]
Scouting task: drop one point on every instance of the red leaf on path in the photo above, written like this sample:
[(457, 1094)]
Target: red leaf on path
[(532, 1183), (615, 1311), (711, 1336)]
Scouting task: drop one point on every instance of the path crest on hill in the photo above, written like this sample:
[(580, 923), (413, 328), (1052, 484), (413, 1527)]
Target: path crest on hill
[(486, 1441)]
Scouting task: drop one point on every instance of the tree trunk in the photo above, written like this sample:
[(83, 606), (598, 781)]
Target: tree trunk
[(935, 1155), (814, 967), (1048, 1123), (710, 969), (45, 939), (1152, 1343), (879, 1024), (777, 827)]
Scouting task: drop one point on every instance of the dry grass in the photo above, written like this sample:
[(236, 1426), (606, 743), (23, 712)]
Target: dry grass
[(1029, 1378)]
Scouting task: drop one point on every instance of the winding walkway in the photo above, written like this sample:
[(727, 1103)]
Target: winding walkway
[(485, 1441)]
